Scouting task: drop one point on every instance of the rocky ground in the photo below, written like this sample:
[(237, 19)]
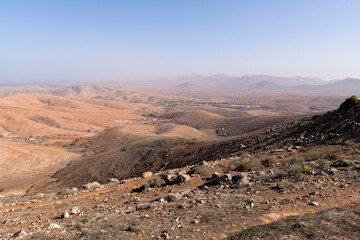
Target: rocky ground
[(214, 200)]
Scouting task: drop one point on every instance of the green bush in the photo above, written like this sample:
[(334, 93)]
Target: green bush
[(323, 163), (304, 169), (343, 163), (349, 103)]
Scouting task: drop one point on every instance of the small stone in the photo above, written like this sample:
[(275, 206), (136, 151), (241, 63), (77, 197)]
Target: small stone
[(221, 179), (113, 180), (330, 171), (242, 182), (54, 226), (131, 229), (160, 199), (238, 177), (314, 204), (173, 196), (20, 234), (93, 186), (143, 206), (182, 171), (147, 174), (356, 167), (196, 221), (65, 215), (40, 195), (165, 235), (215, 175), (169, 177), (204, 163), (75, 210)]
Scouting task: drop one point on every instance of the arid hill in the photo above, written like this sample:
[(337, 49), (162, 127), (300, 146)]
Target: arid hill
[(36, 131), (79, 128), (132, 158)]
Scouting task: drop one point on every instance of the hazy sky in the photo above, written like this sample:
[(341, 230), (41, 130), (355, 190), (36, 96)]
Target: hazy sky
[(104, 40)]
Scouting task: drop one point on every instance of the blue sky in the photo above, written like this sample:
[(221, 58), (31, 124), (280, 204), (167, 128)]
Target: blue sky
[(89, 40)]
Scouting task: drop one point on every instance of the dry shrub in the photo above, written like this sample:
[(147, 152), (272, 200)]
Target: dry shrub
[(248, 165), (202, 170), (328, 224), (351, 147), (328, 152), (296, 159), (269, 161)]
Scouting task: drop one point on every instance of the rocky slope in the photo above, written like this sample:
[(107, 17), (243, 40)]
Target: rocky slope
[(213, 200), (126, 159)]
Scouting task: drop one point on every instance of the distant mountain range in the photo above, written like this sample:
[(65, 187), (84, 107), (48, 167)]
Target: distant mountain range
[(196, 82), (240, 81), (263, 83), (83, 90)]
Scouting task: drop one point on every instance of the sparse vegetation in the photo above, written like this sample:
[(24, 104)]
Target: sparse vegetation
[(279, 186), (202, 170), (344, 222), (348, 103), (209, 218), (85, 219), (247, 165), (329, 152), (297, 159), (343, 163), (323, 163), (304, 169), (268, 162)]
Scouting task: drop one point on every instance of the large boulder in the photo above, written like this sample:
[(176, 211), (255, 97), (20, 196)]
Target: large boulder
[(182, 178), (169, 177), (241, 180), (221, 179), (93, 186)]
